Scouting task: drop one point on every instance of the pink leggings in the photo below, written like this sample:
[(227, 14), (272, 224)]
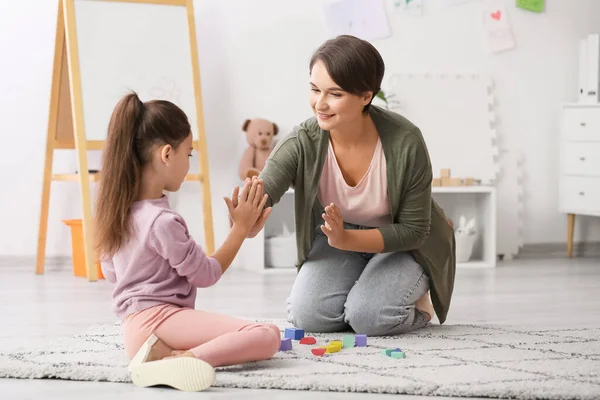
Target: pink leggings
[(214, 338)]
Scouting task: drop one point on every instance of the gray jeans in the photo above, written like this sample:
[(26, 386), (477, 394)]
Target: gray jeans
[(372, 294)]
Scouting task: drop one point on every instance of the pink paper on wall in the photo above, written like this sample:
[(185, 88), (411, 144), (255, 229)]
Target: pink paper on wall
[(497, 31)]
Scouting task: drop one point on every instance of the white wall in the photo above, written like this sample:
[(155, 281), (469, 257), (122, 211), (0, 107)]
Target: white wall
[(253, 60)]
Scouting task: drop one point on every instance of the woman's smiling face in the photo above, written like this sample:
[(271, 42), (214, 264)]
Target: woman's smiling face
[(332, 106)]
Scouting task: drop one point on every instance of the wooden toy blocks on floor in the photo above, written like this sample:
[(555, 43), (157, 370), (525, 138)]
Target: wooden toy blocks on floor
[(347, 341), (360, 340), (318, 351), (294, 333), (394, 353), (286, 344), (308, 340), (332, 348), (388, 352)]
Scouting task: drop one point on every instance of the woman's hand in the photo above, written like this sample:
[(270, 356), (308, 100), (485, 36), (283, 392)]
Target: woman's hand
[(248, 206), (334, 227), (260, 222)]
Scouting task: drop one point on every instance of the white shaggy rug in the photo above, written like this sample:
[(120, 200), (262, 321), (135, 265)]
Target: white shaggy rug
[(459, 360)]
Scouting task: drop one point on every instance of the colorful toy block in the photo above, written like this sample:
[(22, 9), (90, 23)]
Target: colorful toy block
[(332, 348), (388, 352), (294, 333), (397, 354), (286, 345), (308, 340), (348, 341), (318, 351), (360, 340), (336, 343)]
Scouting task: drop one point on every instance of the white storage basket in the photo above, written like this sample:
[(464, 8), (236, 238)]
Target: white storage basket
[(280, 251)]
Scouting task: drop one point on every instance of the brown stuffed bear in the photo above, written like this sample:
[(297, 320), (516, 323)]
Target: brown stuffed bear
[(259, 134)]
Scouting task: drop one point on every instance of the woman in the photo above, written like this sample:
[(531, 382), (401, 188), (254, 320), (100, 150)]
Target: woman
[(371, 241)]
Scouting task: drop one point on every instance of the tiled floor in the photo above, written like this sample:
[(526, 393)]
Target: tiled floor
[(549, 293)]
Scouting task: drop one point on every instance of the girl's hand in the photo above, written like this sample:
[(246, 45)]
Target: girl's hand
[(249, 206), (260, 222), (334, 227)]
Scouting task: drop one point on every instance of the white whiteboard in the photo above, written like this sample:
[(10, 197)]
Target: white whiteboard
[(127, 46), (456, 116)]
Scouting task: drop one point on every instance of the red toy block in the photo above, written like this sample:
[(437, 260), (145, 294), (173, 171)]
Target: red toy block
[(318, 351), (308, 340)]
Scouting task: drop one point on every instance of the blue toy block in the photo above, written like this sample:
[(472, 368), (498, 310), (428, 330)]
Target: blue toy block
[(360, 340), (286, 344), (388, 352), (294, 333)]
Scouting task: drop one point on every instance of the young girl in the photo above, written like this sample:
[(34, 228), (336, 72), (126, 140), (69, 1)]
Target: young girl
[(148, 252)]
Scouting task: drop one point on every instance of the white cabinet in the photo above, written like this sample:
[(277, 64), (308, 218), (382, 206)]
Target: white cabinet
[(579, 181)]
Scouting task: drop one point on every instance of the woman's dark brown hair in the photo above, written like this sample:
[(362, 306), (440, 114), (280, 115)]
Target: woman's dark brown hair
[(354, 64), (134, 130)]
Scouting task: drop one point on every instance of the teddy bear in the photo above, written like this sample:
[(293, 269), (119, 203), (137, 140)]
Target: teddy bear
[(259, 135)]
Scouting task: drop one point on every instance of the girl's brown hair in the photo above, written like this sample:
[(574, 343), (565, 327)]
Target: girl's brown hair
[(134, 130)]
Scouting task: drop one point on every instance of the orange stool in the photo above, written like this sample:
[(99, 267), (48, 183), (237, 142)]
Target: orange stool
[(78, 254)]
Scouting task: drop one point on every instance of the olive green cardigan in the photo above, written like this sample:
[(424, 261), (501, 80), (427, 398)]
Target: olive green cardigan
[(419, 224)]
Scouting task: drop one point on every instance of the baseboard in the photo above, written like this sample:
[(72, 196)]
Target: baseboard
[(52, 263), (531, 250), (559, 250)]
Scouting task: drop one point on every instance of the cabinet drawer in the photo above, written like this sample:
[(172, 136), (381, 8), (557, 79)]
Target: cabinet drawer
[(580, 193), (581, 124), (581, 158)]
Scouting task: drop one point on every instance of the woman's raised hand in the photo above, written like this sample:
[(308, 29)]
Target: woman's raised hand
[(246, 210), (334, 226), (249, 205)]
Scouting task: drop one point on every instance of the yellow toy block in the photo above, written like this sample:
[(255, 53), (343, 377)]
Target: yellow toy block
[(333, 346), (332, 349)]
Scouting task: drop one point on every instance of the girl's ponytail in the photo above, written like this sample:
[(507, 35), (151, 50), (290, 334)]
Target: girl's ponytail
[(135, 129), (120, 176)]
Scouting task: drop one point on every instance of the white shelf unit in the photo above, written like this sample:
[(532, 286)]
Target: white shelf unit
[(472, 201), (477, 202)]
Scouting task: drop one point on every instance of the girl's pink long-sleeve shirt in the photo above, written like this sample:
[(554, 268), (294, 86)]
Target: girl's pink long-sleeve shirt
[(160, 264)]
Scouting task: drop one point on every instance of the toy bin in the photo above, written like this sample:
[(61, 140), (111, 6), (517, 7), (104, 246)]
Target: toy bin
[(464, 247), (78, 253), (280, 251)]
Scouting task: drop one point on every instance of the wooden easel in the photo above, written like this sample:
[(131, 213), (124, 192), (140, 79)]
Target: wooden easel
[(66, 131)]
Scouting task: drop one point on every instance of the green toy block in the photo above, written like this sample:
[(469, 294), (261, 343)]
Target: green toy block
[(397, 354), (348, 341), (388, 352)]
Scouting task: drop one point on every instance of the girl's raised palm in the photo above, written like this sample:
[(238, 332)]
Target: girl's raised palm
[(249, 205), (260, 222)]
